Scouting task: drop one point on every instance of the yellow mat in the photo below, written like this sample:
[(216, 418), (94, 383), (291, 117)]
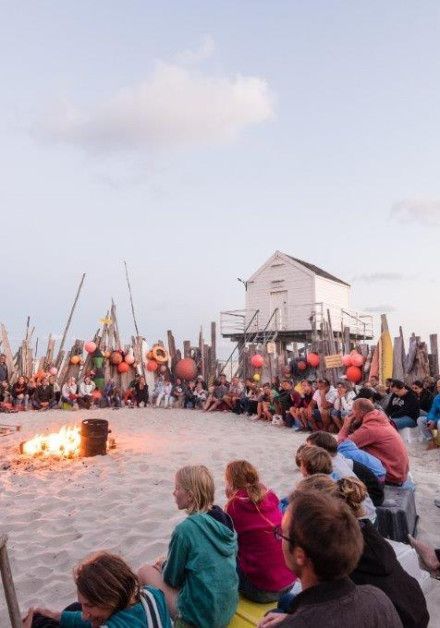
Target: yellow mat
[(249, 613)]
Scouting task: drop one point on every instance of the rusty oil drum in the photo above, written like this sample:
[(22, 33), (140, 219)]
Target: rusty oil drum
[(94, 433)]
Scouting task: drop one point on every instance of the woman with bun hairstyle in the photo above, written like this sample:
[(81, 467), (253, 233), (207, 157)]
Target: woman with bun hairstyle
[(255, 512), (378, 564)]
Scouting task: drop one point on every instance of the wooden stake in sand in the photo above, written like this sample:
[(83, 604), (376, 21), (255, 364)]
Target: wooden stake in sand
[(132, 311), (69, 320), (8, 585)]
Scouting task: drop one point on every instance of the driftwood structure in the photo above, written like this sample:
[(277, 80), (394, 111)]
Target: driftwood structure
[(417, 363)]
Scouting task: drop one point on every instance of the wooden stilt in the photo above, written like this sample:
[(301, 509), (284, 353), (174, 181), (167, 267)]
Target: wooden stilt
[(8, 585)]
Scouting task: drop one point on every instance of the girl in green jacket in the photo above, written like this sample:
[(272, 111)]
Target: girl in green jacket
[(199, 577)]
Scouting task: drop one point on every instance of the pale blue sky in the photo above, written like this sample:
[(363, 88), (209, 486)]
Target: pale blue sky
[(296, 126)]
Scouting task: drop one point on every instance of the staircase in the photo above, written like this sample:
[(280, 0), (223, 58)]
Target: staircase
[(251, 335)]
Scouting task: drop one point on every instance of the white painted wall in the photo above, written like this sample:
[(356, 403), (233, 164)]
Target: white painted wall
[(282, 275)]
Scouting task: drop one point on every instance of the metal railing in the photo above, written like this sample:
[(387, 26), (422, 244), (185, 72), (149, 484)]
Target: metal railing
[(301, 317)]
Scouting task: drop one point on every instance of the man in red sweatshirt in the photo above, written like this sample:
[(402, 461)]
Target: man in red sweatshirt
[(370, 429)]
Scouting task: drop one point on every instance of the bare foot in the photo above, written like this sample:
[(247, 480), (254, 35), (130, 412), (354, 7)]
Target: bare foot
[(426, 553)]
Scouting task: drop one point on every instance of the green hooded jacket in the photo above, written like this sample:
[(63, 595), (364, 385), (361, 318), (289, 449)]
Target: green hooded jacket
[(202, 564)]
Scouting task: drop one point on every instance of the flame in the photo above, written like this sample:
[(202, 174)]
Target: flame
[(64, 444)]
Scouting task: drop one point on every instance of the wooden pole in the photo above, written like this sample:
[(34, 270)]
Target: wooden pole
[(8, 585), (131, 299), (134, 315), (69, 320)]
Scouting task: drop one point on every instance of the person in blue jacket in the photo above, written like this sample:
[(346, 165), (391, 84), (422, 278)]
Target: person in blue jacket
[(109, 595), (431, 421), (350, 450), (199, 577)]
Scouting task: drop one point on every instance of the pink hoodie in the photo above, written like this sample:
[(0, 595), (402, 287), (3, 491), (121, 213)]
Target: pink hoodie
[(260, 555), (381, 439)]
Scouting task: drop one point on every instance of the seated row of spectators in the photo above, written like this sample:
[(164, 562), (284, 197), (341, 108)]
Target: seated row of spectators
[(321, 563)]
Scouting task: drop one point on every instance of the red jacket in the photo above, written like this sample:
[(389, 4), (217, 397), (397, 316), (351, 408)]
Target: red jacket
[(381, 439), (260, 555)]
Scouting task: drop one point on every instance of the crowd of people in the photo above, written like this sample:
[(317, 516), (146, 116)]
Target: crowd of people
[(316, 555), (317, 558), (302, 404)]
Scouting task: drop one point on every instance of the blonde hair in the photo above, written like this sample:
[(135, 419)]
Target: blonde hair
[(353, 492), (241, 474), (199, 483)]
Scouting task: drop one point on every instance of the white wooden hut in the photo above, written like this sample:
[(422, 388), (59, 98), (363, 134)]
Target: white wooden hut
[(289, 296)]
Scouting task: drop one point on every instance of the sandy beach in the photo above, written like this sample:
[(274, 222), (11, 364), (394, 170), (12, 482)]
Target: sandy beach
[(57, 511)]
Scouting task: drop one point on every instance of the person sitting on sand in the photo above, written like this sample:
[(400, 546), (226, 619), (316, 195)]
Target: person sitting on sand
[(233, 396), (343, 403), (322, 543), (220, 391), (255, 511), (371, 430), (424, 395), (431, 421), (323, 400), (112, 395), (378, 564), (346, 467), (249, 398), (141, 392), (199, 577), (178, 393), (263, 408), (311, 460), (19, 393), (69, 393), (403, 407), (86, 388), (109, 594), (4, 372), (200, 395), (43, 397)]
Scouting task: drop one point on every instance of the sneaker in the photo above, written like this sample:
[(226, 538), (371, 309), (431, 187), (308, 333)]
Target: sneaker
[(278, 421), (437, 502)]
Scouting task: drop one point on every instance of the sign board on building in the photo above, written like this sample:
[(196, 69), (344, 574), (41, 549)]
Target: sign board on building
[(333, 361)]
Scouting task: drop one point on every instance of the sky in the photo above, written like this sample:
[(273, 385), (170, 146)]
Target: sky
[(193, 139)]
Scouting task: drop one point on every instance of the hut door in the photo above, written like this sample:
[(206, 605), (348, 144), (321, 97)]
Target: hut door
[(279, 300)]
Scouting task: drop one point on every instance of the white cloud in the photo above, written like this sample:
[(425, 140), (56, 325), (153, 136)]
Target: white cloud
[(174, 107), (203, 52), (419, 210)]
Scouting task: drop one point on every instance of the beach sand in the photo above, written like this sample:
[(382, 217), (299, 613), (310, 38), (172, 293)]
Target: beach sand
[(58, 511)]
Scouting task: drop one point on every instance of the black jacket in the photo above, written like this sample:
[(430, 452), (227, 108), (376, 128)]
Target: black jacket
[(379, 566), (374, 487), (408, 405), (341, 604)]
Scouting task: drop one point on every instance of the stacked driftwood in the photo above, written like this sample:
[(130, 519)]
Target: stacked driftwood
[(417, 363), (204, 354)]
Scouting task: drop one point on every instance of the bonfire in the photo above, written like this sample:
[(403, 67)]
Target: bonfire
[(63, 444)]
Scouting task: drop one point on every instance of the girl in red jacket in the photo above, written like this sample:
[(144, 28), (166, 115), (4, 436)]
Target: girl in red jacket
[(254, 510)]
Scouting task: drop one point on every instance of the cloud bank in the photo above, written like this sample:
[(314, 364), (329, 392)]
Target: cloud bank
[(417, 210), (176, 106)]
